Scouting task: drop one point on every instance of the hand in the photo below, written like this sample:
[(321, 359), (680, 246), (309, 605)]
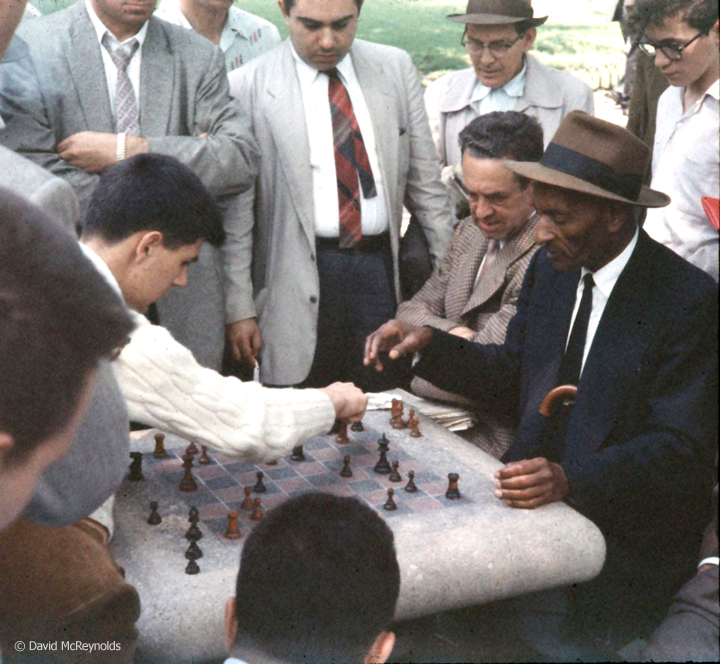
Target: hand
[(530, 483), (399, 338), (349, 401), (244, 339), (95, 152), (464, 332)]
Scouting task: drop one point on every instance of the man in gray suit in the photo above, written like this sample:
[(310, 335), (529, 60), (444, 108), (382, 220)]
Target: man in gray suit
[(345, 142), (103, 81)]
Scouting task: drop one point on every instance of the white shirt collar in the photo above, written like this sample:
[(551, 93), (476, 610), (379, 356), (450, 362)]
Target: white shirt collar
[(513, 88), (101, 29), (308, 74), (102, 268), (606, 277)]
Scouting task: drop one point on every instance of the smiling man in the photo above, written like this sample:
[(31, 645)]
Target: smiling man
[(345, 143), (634, 328)]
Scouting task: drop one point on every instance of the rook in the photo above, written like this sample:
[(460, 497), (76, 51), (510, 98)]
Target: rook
[(453, 493), (233, 531), (160, 452)]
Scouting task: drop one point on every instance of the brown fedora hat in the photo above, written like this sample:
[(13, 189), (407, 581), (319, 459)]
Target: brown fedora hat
[(597, 158), (498, 12)]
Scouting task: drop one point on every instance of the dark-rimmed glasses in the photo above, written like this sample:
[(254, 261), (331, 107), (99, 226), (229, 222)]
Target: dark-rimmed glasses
[(497, 49), (670, 51)]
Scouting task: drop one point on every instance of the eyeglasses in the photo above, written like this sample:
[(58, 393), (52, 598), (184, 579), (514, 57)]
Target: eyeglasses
[(670, 51), (497, 49)]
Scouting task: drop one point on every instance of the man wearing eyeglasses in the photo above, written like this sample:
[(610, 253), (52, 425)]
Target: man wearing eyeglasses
[(503, 76), (682, 37)]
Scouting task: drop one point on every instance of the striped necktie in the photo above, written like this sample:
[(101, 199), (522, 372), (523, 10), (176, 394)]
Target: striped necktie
[(127, 113)]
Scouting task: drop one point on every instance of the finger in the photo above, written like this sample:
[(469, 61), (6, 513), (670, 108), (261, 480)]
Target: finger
[(246, 351), (525, 467), (527, 504), (521, 494), (407, 345)]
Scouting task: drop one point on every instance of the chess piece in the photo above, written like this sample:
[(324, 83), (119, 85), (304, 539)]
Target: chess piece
[(193, 515), (257, 514), (160, 452), (414, 424), (193, 533), (204, 458), (194, 552), (357, 427), (247, 503), (342, 436), (410, 486), (397, 421), (346, 470), (390, 505), (136, 474), (395, 474), (259, 485), (298, 454), (453, 493), (192, 568), (188, 483), (382, 467), (154, 519), (192, 449), (233, 531)]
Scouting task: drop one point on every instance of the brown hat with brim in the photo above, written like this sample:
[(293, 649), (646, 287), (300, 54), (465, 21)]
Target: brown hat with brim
[(597, 158), (498, 12)]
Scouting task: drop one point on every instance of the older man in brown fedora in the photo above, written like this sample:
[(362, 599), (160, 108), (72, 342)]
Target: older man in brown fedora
[(503, 76), (634, 327)]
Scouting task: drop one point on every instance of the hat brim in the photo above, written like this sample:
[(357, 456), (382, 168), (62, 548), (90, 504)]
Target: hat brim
[(533, 170), (494, 19)]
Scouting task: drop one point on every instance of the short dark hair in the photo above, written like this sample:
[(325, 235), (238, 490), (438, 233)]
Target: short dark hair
[(503, 135), (318, 580), (289, 4), (58, 317), (153, 192), (698, 14)]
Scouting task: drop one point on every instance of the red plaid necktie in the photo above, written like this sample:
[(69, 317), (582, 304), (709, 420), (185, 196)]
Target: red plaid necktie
[(352, 165)]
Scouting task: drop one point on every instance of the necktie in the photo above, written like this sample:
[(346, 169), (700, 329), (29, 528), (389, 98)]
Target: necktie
[(490, 255), (555, 439), (127, 114), (352, 165)]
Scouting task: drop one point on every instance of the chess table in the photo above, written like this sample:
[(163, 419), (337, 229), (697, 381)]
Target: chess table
[(452, 553)]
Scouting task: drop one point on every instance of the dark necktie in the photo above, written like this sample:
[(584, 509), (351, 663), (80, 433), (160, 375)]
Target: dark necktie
[(351, 162), (556, 432), (127, 113)]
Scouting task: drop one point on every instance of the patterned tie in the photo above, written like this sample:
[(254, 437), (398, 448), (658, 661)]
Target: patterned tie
[(351, 162), (127, 114), (491, 255)]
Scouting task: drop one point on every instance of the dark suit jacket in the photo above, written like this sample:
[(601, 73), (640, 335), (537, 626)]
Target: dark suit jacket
[(644, 424)]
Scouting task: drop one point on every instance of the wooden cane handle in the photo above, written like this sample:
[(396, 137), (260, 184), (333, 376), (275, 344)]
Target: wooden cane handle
[(566, 393)]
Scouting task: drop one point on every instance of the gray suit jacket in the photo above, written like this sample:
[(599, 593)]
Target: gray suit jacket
[(60, 89), (277, 238)]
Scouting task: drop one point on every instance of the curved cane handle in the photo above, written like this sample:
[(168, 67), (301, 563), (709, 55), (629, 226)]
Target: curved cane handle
[(566, 393)]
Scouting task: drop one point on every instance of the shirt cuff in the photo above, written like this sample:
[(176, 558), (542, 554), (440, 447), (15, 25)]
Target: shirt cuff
[(710, 560)]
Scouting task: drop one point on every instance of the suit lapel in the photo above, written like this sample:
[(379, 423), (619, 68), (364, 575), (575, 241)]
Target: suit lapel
[(156, 82), (87, 71)]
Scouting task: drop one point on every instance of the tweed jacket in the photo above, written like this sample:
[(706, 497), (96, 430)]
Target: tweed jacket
[(450, 299), (60, 89), (279, 277), (549, 96)]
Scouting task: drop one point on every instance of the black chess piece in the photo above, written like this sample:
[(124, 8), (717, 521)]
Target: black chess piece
[(259, 485), (410, 486), (192, 449), (453, 493), (192, 568), (346, 470), (390, 505), (298, 454), (204, 457), (194, 552), (193, 515), (188, 483), (136, 474), (193, 533), (395, 475), (154, 519), (357, 427), (382, 467)]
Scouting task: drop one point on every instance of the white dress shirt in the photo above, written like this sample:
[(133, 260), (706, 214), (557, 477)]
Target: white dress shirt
[(686, 167), (486, 100), (314, 88), (605, 279), (133, 69)]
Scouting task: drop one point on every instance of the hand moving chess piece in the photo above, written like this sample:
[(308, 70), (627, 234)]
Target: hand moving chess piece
[(298, 454), (410, 486), (342, 436), (395, 474), (453, 493), (192, 449), (233, 531), (390, 505), (160, 452), (346, 470), (257, 514), (259, 485), (204, 458), (247, 504), (136, 474), (154, 519), (188, 483)]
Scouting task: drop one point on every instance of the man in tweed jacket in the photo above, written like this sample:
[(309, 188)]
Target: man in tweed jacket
[(474, 292)]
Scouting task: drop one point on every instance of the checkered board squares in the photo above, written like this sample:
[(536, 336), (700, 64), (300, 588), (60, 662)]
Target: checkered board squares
[(220, 484)]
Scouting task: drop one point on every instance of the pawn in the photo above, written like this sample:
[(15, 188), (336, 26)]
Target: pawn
[(136, 474), (298, 454), (192, 568), (410, 486), (247, 504), (415, 428), (193, 515), (194, 552), (390, 505), (204, 458), (160, 452), (395, 474), (193, 533), (257, 514), (233, 531), (154, 519), (357, 427), (192, 449), (453, 493), (259, 485), (342, 436), (346, 470)]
